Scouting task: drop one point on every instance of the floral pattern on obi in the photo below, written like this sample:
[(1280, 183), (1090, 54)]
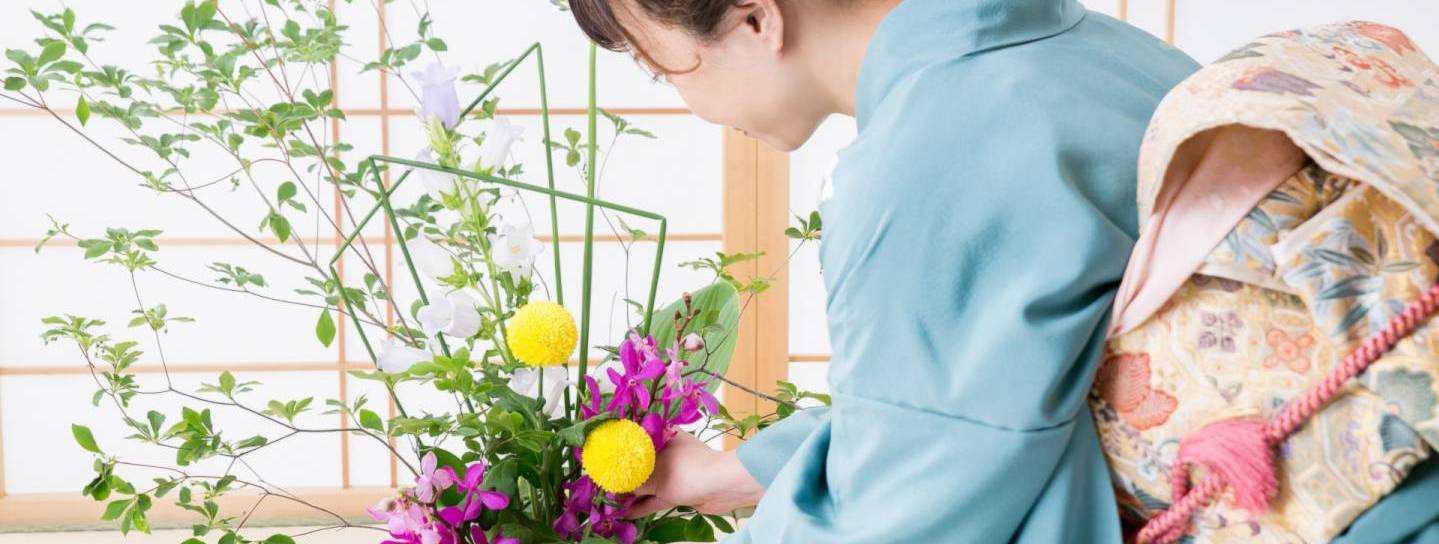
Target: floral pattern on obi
[(1324, 261)]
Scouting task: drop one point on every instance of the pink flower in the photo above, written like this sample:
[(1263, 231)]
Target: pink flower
[(431, 482)]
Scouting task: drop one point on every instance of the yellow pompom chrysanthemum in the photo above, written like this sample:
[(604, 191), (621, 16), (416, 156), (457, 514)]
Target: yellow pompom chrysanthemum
[(618, 455), (542, 333)]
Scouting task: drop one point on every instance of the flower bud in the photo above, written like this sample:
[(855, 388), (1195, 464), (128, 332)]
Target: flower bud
[(693, 342)]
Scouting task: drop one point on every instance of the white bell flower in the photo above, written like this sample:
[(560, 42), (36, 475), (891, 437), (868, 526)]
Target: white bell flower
[(396, 357), (436, 183), (514, 248), (525, 381), (430, 259), (453, 314), (499, 139)]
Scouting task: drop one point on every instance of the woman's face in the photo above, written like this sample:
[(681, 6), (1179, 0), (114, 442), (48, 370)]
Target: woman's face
[(745, 76)]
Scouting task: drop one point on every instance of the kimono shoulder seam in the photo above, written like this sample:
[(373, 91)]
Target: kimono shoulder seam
[(1040, 429)]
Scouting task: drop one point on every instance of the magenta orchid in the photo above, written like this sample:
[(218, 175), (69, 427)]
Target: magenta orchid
[(641, 363), (607, 519), (691, 395), (476, 500)]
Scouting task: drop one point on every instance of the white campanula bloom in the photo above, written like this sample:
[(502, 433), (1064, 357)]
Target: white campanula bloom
[(514, 248), (436, 183), (499, 140), (396, 357), (525, 381), (438, 99), (430, 259), (453, 314)]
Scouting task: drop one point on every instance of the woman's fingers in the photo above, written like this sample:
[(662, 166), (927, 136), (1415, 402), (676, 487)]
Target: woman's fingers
[(647, 488), (647, 505)]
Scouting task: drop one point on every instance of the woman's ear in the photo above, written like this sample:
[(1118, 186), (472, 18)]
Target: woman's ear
[(763, 20)]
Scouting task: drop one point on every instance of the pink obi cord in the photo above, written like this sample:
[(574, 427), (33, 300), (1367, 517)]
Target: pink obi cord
[(1212, 181), (1239, 453)]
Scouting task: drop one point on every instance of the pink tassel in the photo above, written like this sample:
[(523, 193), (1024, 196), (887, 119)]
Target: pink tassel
[(1237, 451)]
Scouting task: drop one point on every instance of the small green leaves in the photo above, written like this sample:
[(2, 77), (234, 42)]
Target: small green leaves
[(82, 110), (123, 247), (809, 229), (84, 438), (13, 83), (325, 328), (436, 44), (720, 266), (285, 196), (287, 410), (277, 224), (237, 275), (157, 318)]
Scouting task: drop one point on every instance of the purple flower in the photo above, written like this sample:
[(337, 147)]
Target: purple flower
[(431, 481), (608, 520), (655, 426), (437, 94), (477, 535), (641, 363), (476, 499), (591, 407), (582, 495), (691, 395)]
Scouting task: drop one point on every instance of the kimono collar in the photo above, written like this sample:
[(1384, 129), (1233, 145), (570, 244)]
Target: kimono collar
[(917, 33)]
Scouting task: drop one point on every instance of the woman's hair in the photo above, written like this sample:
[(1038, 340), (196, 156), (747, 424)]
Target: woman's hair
[(598, 21)]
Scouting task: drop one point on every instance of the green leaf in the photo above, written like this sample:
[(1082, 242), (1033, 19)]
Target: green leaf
[(279, 539), (279, 225), (82, 110), (51, 53), (325, 328), (286, 191), (117, 507), (227, 383), (437, 44), (667, 530), (719, 308), (14, 83), (575, 434), (84, 437), (156, 420), (698, 530), (372, 421)]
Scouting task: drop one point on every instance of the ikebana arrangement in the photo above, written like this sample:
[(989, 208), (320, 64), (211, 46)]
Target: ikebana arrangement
[(540, 445)]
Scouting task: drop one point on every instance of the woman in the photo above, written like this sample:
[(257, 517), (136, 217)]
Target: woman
[(979, 227)]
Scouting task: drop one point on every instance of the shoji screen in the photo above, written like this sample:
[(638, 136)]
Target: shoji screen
[(684, 174)]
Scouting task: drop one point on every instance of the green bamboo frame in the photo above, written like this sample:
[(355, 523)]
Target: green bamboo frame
[(384, 193)]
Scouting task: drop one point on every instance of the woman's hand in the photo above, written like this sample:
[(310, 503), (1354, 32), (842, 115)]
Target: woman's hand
[(690, 473)]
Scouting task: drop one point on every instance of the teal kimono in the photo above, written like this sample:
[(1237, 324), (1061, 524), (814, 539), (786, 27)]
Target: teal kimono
[(979, 225)]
